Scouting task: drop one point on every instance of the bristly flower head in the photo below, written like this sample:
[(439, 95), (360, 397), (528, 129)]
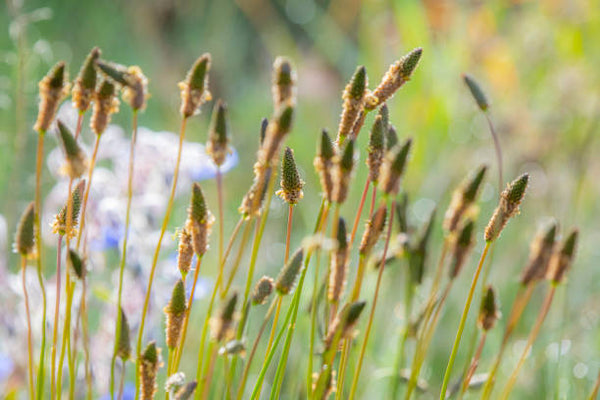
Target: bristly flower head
[(77, 264), (324, 165), (64, 225), (339, 265), (488, 311), (510, 199), (476, 92), (418, 251), (287, 276), (149, 364), (354, 100), (124, 343), (284, 83), (85, 84), (175, 312), (106, 103), (185, 252), (221, 325), (393, 167), (277, 129), (391, 137), (200, 220), (262, 290), (540, 254), (194, 90), (343, 325), (25, 237), (376, 147), (53, 88), (373, 230), (252, 202), (463, 243), (463, 199), (218, 134), (562, 258), (398, 74), (76, 161), (343, 172), (135, 84), (291, 183)]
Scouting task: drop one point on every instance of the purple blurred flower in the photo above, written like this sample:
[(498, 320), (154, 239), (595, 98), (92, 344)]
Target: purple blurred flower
[(128, 392), (6, 366)]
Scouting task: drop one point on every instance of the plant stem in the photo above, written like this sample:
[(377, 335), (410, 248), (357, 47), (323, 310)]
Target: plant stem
[(474, 363), (123, 364), (40, 375), (289, 233), (86, 340), (463, 320), (69, 286), (594, 393), (78, 126), (359, 211), (532, 336), (374, 305), (209, 370), (56, 312), (29, 340), (87, 190), (497, 148), (219, 179), (124, 259)]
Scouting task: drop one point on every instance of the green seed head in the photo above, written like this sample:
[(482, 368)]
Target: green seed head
[(198, 211), (263, 129), (326, 150), (488, 310), (87, 74), (358, 83), (516, 189), (67, 141), (124, 344), (391, 138), (25, 238), (473, 183), (377, 137), (401, 157), (409, 62), (285, 119), (198, 74), (177, 304), (76, 263), (353, 313), (291, 183), (262, 290), (347, 158), (342, 235), (150, 353), (476, 92), (287, 277), (228, 310), (384, 112), (58, 76), (116, 72)]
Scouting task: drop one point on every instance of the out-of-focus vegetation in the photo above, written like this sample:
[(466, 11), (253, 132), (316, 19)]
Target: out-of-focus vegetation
[(536, 60)]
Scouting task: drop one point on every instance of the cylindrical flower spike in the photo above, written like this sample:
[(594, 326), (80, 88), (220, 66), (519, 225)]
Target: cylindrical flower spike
[(354, 100), (398, 74), (284, 83), (540, 254), (186, 391), (508, 207), (199, 221), (462, 247), (339, 265), (77, 264), (373, 230), (53, 88), (60, 220), (106, 103), (324, 165), (476, 92), (277, 130), (76, 161), (262, 290), (253, 200), (175, 312), (218, 134), (344, 323), (185, 252), (418, 252), (291, 183), (343, 173), (85, 84), (221, 325), (488, 311), (149, 364), (376, 149), (135, 84), (25, 237), (562, 258), (288, 274), (124, 343), (194, 90), (393, 167), (463, 199), (391, 137)]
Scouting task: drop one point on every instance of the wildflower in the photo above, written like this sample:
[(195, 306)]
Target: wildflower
[(391, 138), (354, 99), (418, 252), (287, 276), (76, 164), (218, 134), (343, 172), (488, 311), (76, 263), (64, 225), (124, 343), (343, 324), (262, 290), (373, 230), (253, 200), (510, 199), (284, 83), (25, 238), (562, 259), (185, 252), (135, 84), (149, 364), (194, 90), (463, 198), (105, 104), (175, 312), (393, 167), (291, 183), (339, 265), (186, 391), (221, 325), (476, 92), (53, 88), (462, 246), (324, 165), (540, 254), (376, 148), (278, 128), (85, 84), (200, 221)]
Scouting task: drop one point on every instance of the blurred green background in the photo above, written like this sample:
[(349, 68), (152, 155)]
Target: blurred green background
[(537, 61)]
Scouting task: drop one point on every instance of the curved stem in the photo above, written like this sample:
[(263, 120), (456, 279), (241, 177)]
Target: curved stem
[(56, 312), (79, 122), (40, 374), (474, 363), (29, 340), (289, 233), (124, 256), (87, 190), (373, 306), (66, 337), (497, 148), (359, 211), (463, 320), (313, 324), (219, 179), (120, 396), (594, 393)]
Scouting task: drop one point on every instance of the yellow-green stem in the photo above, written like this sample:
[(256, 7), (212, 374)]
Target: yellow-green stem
[(69, 286), (87, 190), (594, 393), (359, 211), (29, 340), (55, 324)]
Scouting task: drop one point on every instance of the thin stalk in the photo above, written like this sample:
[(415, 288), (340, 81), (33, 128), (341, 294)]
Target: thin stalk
[(374, 305), (209, 370), (288, 234), (56, 312), (596, 388), (79, 123), (69, 286), (87, 190), (497, 148), (29, 340), (373, 197), (275, 320), (532, 336), (122, 380), (339, 391), (232, 238), (124, 258), (40, 375), (360, 274), (461, 325), (188, 311), (359, 212), (170, 360), (334, 227), (157, 250), (219, 179), (86, 340), (474, 363), (238, 259)]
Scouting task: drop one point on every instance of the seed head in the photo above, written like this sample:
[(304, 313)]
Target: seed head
[(277, 130), (25, 238), (135, 84), (540, 254), (149, 364), (175, 312), (77, 264), (373, 230), (562, 259), (488, 311), (354, 100), (284, 83), (463, 199), (291, 183), (105, 104), (338, 274), (476, 92), (393, 167), (232, 348), (68, 226), (186, 391), (343, 173), (53, 88), (262, 290), (376, 148), (418, 252), (76, 162), (200, 220), (194, 90), (397, 75), (124, 344), (185, 252), (462, 247), (344, 323), (324, 165), (510, 199), (222, 324), (391, 138), (85, 84), (253, 200), (287, 276), (218, 134)]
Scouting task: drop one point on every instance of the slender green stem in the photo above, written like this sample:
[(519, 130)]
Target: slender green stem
[(594, 394), (87, 190), (86, 341), (359, 211), (122, 380), (124, 255), (313, 324), (40, 374), (408, 302), (207, 376), (29, 339), (497, 148), (374, 305), (462, 323), (474, 363), (69, 286), (219, 179), (56, 316)]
